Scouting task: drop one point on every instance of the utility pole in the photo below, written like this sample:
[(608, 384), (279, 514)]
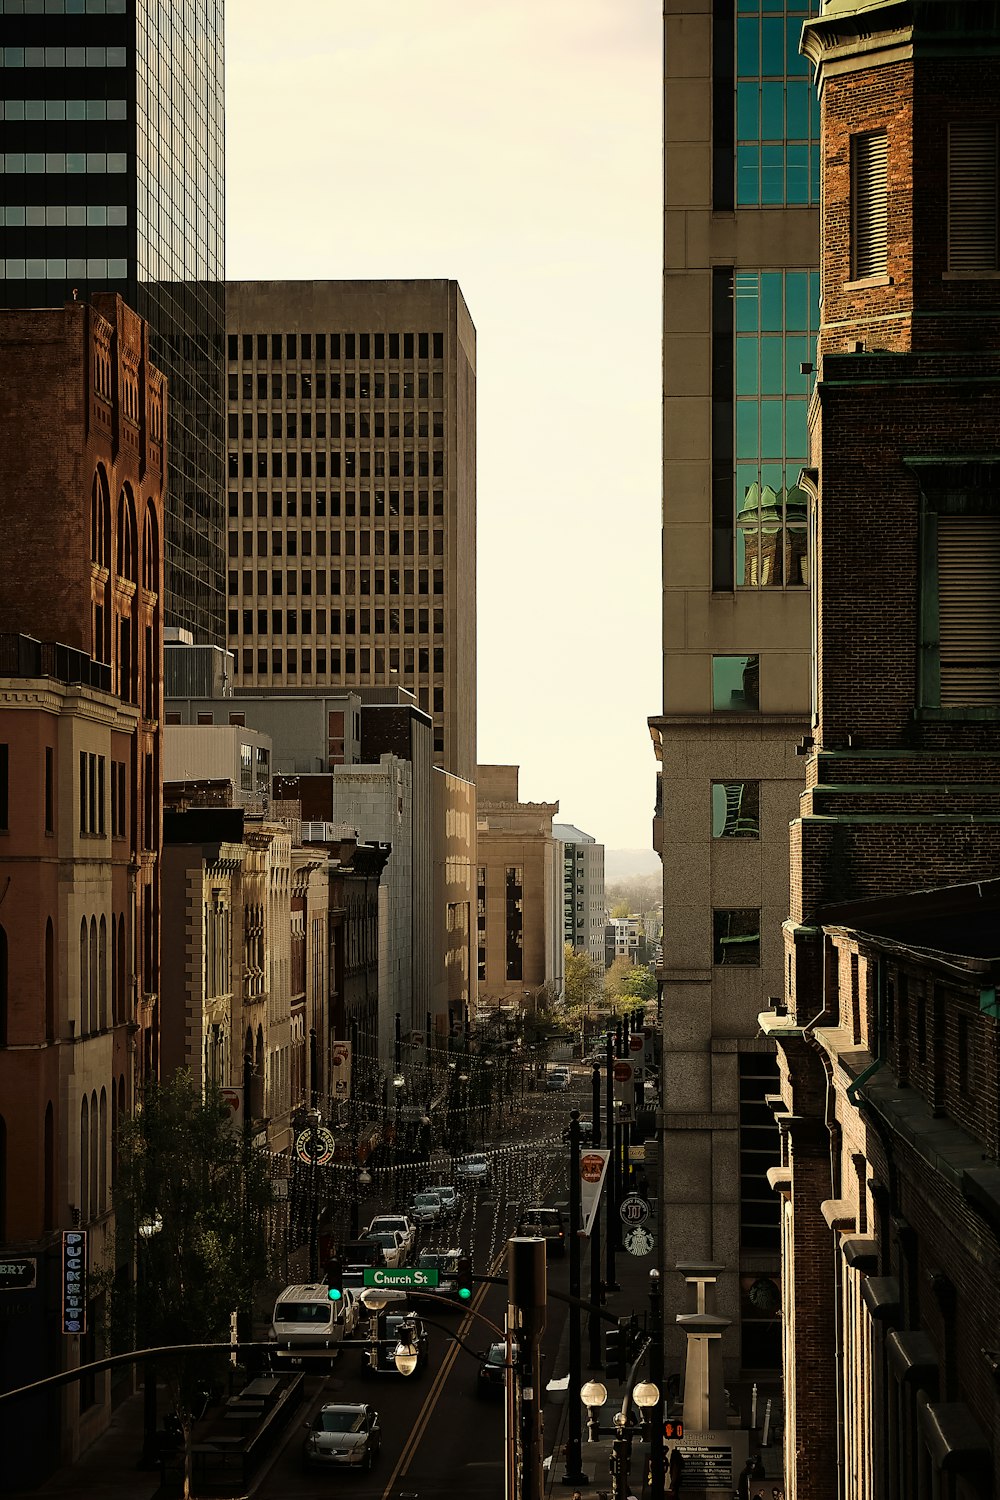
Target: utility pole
[(611, 1231), (526, 1298), (574, 1473), (594, 1319), (656, 1378), (314, 1196)]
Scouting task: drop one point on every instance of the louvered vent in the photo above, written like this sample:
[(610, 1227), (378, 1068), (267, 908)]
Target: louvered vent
[(969, 606), (870, 204), (972, 197)]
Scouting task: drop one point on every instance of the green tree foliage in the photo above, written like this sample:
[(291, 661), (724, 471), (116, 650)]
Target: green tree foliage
[(582, 981), (639, 984), (191, 1198)]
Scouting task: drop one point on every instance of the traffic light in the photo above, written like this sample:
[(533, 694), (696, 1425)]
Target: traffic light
[(464, 1277), (334, 1279), (673, 1429), (616, 1350)]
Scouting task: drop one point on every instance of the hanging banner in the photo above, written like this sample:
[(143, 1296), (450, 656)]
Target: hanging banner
[(74, 1281), (593, 1167), (624, 1090), (340, 1071)]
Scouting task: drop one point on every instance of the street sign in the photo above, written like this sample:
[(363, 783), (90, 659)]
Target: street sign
[(325, 1145), (340, 1070), (638, 1241), (636, 1153), (633, 1209), (18, 1273), (399, 1276)]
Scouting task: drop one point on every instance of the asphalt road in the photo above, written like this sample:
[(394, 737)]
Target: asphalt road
[(439, 1436)]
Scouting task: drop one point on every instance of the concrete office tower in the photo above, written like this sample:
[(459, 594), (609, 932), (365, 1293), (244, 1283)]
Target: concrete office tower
[(519, 872), (81, 425), (581, 896), (740, 314), (113, 178), (352, 494)]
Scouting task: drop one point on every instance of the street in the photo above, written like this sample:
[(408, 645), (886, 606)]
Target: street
[(439, 1436)]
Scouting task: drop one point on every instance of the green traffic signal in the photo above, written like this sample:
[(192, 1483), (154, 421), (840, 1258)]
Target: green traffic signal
[(334, 1293), (464, 1278)]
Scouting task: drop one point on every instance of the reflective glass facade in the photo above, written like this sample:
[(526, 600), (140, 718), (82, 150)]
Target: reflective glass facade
[(112, 138), (777, 111), (776, 318)]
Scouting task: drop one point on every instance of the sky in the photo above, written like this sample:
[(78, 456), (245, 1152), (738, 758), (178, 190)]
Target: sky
[(514, 146)]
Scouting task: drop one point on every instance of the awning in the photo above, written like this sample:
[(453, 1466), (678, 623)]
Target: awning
[(913, 1358), (860, 1251), (955, 1439), (881, 1297)]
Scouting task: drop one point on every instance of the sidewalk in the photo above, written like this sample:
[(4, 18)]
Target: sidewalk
[(107, 1470)]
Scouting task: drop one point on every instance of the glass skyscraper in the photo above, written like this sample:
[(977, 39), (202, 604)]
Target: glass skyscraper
[(112, 141)]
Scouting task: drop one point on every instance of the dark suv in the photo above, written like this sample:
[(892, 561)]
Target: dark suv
[(545, 1224)]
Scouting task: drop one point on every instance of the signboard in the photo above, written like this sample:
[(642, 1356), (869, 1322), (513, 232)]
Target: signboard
[(340, 1070), (74, 1281), (622, 1071), (18, 1274), (399, 1276), (637, 1042), (633, 1209), (637, 1153), (232, 1098), (638, 1241), (708, 1466), (593, 1167), (324, 1146)]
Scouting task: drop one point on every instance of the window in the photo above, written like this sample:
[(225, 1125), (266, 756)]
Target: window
[(972, 197), (736, 809), (968, 567), (869, 205), (735, 684), (736, 937), (514, 918), (777, 111), (4, 794)]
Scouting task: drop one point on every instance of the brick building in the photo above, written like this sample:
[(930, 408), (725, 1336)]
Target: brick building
[(81, 446), (887, 1034)]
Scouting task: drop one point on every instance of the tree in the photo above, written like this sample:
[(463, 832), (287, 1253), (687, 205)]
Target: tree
[(581, 980), (639, 984), (621, 910), (191, 1199)]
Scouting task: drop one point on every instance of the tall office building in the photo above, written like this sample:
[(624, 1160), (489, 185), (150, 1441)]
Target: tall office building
[(352, 494), (581, 898), (112, 142), (739, 321)]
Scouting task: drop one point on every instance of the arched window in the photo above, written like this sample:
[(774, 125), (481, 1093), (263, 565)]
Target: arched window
[(92, 1021), (125, 559), (84, 1158), (50, 982), (102, 1201), (94, 1159), (103, 972), (4, 1002), (84, 977), (100, 519), (150, 552), (123, 1013), (49, 1186)]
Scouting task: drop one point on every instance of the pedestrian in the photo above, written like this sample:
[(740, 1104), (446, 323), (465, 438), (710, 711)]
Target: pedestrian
[(675, 1473), (746, 1473)]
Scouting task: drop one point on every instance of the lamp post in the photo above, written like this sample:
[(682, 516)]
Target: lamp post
[(148, 1229), (594, 1396), (594, 1321), (655, 1384), (611, 1232), (314, 1119)]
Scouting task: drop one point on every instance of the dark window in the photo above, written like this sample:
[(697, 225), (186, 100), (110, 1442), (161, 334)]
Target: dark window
[(514, 915), (870, 204), (735, 684), (736, 937), (972, 196)]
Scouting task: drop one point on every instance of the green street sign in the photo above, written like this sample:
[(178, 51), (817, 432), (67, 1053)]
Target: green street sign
[(389, 1276)]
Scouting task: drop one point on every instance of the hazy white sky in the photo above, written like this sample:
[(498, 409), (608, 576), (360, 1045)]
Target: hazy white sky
[(513, 145)]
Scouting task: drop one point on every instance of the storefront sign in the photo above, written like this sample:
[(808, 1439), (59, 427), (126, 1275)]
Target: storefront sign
[(74, 1281)]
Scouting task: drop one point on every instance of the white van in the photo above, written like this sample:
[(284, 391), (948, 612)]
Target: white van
[(307, 1326)]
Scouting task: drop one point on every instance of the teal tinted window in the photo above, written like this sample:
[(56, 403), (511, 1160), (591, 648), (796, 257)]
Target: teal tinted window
[(777, 111), (777, 318), (735, 684)]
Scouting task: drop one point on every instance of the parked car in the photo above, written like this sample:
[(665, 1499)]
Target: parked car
[(556, 1082), (586, 1131), (427, 1208), (392, 1243), (544, 1223), (306, 1326), (492, 1370), (342, 1436), (473, 1169), (386, 1332), (402, 1222)]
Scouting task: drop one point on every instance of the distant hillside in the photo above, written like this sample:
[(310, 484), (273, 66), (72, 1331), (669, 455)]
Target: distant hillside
[(629, 864)]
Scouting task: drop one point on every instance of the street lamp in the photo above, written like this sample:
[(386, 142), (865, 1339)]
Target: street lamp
[(149, 1228), (406, 1355)]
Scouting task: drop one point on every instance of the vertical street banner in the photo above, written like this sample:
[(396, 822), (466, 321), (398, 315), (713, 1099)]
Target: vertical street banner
[(593, 1167), (624, 1090), (340, 1071), (232, 1098), (74, 1281)]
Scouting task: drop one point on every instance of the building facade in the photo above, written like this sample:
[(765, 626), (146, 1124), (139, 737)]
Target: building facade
[(113, 157), (352, 494), (740, 314), (582, 894), (80, 828), (518, 875), (887, 1022)]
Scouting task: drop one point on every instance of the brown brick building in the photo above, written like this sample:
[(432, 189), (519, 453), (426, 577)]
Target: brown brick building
[(888, 1035), (81, 449)]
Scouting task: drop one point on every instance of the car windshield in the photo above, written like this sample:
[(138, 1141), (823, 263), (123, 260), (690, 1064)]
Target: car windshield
[(427, 1200), (497, 1354), (387, 1240), (303, 1312), (429, 1261), (340, 1419), (386, 1222)]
